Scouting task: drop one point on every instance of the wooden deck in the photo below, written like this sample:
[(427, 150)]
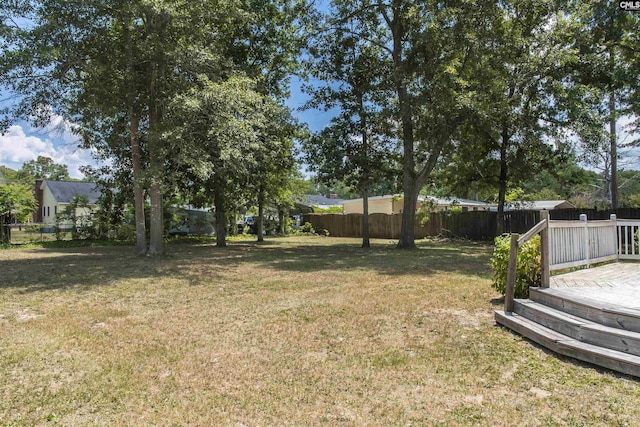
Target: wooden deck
[(591, 315), (614, 275)]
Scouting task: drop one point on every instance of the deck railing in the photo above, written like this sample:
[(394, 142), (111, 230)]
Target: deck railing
[(629, 238), (581, 243), (567, 244)]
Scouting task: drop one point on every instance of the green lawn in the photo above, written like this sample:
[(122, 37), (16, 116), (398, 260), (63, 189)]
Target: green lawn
[(298, 331)]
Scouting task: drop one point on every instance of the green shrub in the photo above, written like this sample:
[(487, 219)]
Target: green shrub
[(33, 228), (322, 232), (307, 228), (126, 232), (529, 268)]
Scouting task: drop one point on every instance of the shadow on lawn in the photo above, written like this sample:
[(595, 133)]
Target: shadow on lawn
[(58, 268)]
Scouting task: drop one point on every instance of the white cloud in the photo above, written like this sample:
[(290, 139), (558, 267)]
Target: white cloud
[(55, 141), (16, 147)]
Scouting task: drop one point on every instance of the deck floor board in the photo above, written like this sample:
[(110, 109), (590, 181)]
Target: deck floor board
[(614, 275)]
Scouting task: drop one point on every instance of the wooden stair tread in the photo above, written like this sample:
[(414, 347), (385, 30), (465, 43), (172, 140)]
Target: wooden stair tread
[(562, 315), (565, 345), (607, 314), (580, 329)]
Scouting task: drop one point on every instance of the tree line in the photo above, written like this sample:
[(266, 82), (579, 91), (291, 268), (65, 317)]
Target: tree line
[(473, 97), (187, 98), (184, 98)]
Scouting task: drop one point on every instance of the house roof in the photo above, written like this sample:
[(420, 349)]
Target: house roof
[(455, 200), (440, 201), (539, 205), (320, 200), (64, 191)]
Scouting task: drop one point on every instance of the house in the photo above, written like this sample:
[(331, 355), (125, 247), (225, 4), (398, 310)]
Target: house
[(393, 204), (312, 202), (537, 205), (54, 196), (322, 202)]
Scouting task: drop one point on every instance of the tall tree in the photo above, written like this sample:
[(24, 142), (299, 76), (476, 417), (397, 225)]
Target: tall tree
[(219, 126), (606, 39), (426, 61), (114, 66), (275, 165), (45, 168), (17, 201), (355, 146), (522, 56)]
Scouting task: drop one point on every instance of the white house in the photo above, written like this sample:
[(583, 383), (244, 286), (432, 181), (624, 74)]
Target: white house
[(54, 196), (393, 204)]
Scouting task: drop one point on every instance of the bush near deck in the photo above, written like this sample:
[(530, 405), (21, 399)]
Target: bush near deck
[(529, 271)]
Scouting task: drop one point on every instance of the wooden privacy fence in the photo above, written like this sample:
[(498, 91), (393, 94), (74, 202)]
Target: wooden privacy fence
[(476, 225), (382, 226), (594, 214)]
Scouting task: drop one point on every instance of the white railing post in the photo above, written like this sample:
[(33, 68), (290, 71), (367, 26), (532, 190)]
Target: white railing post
[(583, 217), (616, 238), (636, 232)]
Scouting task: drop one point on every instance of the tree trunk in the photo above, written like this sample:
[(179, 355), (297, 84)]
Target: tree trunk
[(234, 229), (613, 142), (221, 217), (502, 181), (156, 241), (136, 152), (407, 233), (364, 155), (156, 223), (282, 226), (260, 225), (365, 219), (5, 230), (138, 190)]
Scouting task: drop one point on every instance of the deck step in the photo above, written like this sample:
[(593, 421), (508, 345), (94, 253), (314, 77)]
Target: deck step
[(578, 328), (567, 346), (602, 313)]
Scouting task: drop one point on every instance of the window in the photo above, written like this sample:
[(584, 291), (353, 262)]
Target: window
[(48, 211), (44, 211), (55, 210)]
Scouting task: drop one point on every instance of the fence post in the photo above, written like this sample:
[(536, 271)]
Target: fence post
[(511, 273), (544, 251), (583, 217)]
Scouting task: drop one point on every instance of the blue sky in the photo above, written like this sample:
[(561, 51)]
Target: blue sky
[(23, 142)]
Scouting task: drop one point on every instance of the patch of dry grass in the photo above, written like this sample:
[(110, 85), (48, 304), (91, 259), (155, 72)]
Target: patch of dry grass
[(296, 331)]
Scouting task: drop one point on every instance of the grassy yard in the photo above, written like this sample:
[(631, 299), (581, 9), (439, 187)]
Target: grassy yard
[(296, 331)]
